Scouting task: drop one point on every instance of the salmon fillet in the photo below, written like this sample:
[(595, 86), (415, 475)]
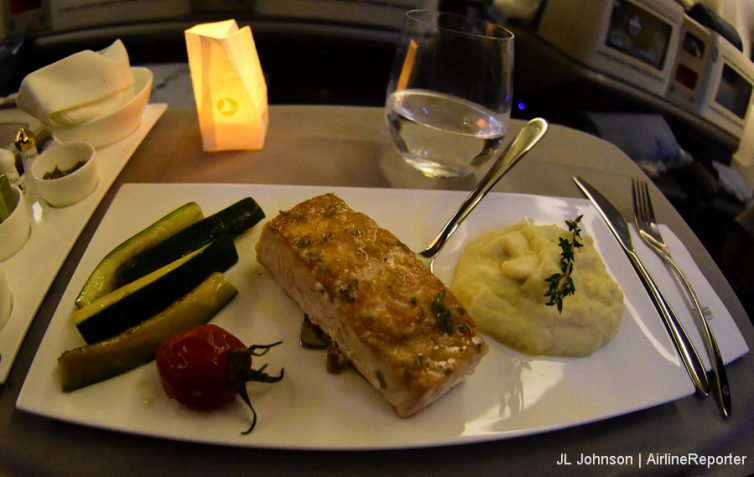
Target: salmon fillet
[(397, 323)]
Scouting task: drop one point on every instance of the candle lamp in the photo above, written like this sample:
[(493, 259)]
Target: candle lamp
[(230, 91)]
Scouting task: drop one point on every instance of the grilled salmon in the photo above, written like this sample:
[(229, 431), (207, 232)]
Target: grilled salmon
[(397, 323)]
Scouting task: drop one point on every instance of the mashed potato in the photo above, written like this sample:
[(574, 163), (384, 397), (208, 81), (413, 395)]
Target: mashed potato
[(500, 279)]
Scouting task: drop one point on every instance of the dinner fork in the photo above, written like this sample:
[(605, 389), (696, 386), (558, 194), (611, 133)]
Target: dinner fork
[(644, 218)]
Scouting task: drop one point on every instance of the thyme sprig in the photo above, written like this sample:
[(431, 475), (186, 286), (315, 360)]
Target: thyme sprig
[(560, 285)]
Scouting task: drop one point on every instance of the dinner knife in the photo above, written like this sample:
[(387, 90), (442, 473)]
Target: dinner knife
[(618, 226)]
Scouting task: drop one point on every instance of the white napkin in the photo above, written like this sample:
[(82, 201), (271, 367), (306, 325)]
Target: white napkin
[(78, 88)]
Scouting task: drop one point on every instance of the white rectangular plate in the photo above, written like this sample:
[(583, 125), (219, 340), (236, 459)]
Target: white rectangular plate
[(510, 394), (32, 269)]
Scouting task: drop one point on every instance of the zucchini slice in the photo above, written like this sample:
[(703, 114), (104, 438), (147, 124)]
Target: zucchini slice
[(96, 362), (133, 303), (103, 278), (228, 222)]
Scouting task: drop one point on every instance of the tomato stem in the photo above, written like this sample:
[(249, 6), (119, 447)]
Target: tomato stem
[(240, 372)]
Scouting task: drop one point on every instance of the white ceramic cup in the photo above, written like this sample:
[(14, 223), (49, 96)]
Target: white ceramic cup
[(6, 299), (73, 187), (16, 228)]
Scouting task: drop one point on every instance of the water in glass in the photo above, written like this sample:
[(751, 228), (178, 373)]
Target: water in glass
[(443, 135)]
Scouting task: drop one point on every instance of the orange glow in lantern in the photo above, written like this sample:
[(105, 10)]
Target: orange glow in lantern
[(229, 87)]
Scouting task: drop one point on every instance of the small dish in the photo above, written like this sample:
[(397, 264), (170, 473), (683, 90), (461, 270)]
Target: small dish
[(15, 230), (6, 299), (72, 186), (116, 125)]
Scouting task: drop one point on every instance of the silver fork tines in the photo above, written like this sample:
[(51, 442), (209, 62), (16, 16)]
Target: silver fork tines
[(644, 217)]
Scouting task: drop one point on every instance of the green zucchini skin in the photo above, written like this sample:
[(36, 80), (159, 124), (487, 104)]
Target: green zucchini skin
[(134, 303), (92, 363), (103, 278), (228, 222)]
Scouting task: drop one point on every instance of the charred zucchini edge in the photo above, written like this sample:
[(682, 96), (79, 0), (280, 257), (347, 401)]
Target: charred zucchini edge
[(89, 364), (228, 222), (103, 278), (133, 303)]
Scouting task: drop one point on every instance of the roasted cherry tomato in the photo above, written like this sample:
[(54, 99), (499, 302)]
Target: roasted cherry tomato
[(205, 367)]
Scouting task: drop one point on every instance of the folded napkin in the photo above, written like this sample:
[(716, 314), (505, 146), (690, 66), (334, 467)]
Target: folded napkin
[(78, 88)]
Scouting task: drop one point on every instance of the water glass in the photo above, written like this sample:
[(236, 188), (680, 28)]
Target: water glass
[(449, 94)]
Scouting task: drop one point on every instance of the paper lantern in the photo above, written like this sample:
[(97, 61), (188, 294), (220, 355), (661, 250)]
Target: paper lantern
[(229, 86)]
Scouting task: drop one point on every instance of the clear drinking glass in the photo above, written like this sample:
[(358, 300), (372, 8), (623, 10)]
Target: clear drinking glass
[(449, 95)]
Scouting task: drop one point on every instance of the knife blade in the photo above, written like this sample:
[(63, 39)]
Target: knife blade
[(619, 227)]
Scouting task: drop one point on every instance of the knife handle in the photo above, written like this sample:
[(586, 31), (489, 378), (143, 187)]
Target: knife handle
[(683, 344)]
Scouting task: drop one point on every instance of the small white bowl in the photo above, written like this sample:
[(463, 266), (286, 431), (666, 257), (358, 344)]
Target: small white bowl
[(16, 228), (72, 187), (6, 299), (116, 125)]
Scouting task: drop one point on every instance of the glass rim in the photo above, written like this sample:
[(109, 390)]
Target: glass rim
[(418, 16)]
